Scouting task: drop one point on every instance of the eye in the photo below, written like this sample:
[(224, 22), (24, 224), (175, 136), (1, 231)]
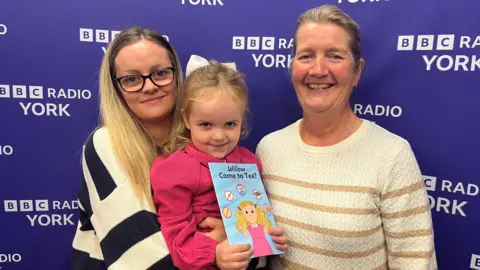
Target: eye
[(205, 124), (246, 212), (335, 57), (162, 73), (230, 124), (251, 211), (130, 80), (305, 58)]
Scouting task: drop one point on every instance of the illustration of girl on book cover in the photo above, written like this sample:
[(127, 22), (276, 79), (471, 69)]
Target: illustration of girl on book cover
[(252, 221)]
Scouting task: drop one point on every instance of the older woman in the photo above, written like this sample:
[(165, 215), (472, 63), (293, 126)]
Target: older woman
[(349, 193)]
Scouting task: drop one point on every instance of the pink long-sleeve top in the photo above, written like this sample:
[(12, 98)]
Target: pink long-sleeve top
[(184, 196)]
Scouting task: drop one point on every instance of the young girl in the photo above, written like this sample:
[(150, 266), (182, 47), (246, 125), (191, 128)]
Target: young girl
[(252, 221), (209, 120)]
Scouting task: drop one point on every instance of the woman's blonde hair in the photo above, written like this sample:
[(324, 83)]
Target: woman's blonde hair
[(334, 15), (242, 223), (132, 145), (205, 83)]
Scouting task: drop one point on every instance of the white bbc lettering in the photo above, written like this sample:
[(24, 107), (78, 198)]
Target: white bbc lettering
[(9, 258), (466, 42), (50, 220), (445, 42), (425, 42), (238, 43), (282, 43), (378, 110), (430, 182), (253, 43), (446, 206), (465, 189), (405, 43), (69, 93), (203, 2), (48, 109), (35, 92), (449, 62), (57, 205), (41, 205), (474, 262), (86, 35), (6, 150), (3, 29), (26, 205), (268, 43), (101, 36), (272, 60), (10, 206), (19, 91), (4, 91)]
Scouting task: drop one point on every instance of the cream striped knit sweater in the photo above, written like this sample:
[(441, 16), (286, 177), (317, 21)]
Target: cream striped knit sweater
[(359, 204)]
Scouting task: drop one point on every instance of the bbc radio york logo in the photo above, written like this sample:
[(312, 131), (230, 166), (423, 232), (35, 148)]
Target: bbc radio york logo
[(202, 2), (264, 50), (38, 213), (446, 205), (35, 106), (443, 45), (101, 36)]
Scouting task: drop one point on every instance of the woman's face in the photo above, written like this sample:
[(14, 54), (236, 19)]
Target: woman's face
[(324, 69), (152, 102)]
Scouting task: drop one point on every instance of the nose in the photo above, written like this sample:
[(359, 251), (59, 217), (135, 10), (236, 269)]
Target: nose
[(319, 67), (149, 86), (218, 134)]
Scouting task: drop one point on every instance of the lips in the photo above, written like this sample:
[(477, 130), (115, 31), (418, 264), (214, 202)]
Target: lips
[(153, 99)]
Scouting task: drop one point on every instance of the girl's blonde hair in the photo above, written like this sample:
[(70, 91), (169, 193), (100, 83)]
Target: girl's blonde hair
[(242, 223), (132, 145), (205, 83)]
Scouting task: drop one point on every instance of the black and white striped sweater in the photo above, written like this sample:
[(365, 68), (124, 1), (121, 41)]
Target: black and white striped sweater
[(115, 230)]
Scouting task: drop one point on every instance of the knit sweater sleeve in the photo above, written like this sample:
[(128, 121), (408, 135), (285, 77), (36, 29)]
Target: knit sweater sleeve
[(115, 229), (406, 214)]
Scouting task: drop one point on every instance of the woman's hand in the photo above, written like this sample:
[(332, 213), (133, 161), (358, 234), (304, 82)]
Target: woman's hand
[(233, 257), (280, 239), (218, 231)]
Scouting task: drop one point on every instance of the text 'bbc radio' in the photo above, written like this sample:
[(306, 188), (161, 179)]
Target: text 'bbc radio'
[(203, 2), (3, 29), (267, 44), (447, 205), (443, 43), (37, 93), (41, 206)]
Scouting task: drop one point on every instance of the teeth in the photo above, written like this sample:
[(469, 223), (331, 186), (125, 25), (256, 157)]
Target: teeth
[(318, 86)]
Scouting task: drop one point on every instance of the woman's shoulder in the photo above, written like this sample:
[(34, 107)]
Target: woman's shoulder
[(381, 135)]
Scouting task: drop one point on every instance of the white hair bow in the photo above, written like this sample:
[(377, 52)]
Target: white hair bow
[(196, 62)]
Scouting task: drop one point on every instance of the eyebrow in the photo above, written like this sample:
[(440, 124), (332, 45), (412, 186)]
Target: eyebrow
[(152, 68)]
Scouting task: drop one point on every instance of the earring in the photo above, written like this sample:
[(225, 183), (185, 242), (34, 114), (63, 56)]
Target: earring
[(355, 85)]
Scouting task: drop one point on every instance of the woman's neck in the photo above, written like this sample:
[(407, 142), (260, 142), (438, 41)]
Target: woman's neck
[(159, 130), (328, 128)]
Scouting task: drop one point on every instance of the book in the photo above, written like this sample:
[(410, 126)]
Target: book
[(246, 210)]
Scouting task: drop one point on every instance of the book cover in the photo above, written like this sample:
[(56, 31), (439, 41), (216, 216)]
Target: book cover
[(246, 210)]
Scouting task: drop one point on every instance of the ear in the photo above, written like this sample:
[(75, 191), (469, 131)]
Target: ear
[(185, 119), (360, 65)]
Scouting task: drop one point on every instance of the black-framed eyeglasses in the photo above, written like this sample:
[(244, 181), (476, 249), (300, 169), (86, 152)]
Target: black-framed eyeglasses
[(135, 83)]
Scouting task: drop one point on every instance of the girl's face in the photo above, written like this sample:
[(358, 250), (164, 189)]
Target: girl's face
[(250, 214), (215, 125)]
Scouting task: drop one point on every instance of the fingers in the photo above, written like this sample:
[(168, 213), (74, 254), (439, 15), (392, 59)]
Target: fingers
[(239, 248), (277, 231)]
